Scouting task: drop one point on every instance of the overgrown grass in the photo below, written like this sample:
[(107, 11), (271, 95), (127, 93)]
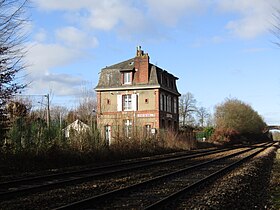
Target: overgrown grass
[(87, 148)]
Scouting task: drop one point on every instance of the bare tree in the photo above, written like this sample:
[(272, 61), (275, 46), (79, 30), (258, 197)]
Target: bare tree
[(187, 109), (86, 109), (87, 106), (13, 19), (12, 22), (58, 112), (276, 25), (202, 116)]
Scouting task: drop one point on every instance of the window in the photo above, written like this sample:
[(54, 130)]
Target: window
[(127, 102), (147, 130), (161, 102), (146, 100), (108, 101), (169, 103), (127, 78), (175, 105), (127, 128), (165, 103)]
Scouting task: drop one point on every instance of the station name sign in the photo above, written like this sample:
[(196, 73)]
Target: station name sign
[(145, 115)]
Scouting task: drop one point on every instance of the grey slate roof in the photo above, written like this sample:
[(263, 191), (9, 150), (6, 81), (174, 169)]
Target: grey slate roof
[(111, 77), (122, 66)]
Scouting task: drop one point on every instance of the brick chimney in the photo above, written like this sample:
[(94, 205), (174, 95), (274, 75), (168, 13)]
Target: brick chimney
[(141, 65)]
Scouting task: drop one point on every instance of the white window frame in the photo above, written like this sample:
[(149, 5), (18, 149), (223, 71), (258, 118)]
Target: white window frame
[(127, 78), (127, 102), (127, 127)]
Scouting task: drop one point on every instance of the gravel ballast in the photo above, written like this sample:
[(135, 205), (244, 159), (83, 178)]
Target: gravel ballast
[(275, 184), (244, 188)]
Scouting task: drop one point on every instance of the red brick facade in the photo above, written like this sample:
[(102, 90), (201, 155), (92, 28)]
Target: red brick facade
[(140, 95), (141, 65)]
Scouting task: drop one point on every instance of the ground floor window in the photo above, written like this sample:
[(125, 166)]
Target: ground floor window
[(128, 128), (148, 130)]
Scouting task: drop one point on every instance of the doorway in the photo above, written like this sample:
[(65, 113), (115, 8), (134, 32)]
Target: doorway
[(108, 134)]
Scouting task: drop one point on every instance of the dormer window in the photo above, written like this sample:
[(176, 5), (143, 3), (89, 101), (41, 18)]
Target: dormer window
[(127, 78)]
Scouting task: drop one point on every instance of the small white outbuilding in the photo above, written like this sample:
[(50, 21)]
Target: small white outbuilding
[(77, 126)]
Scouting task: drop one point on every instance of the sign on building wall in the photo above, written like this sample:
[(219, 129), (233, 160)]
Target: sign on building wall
[(145, 115), (169, 115)]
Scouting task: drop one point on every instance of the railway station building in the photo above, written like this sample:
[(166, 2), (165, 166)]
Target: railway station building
[(136, 97)]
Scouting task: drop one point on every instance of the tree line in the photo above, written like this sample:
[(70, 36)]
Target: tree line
[(191, 114)]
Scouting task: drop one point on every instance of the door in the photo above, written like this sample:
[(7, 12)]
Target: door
[(108, 134)]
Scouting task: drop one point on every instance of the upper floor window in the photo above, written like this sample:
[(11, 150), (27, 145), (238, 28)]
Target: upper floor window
[(169, 103), (161, 102), (127, 102), (175, 105), (165, 103), (127, 78)]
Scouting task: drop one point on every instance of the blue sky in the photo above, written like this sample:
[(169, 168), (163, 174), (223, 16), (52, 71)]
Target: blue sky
[(217, 48)]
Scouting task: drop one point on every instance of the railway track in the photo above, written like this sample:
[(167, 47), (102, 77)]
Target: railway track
[(23, 186), (158, 192), (63, 188)]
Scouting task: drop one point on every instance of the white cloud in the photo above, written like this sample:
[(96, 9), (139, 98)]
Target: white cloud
[(170, 12), (251, 17), (41, 59), (104, 15), (74, 37), (105, 18), (63, 4), (125, 17), (40, 36), (59, 84), (254, 16)]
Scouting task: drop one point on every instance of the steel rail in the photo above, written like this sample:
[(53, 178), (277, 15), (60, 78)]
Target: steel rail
[(110, 166), (174, 196), (59, 179), (98, 198)]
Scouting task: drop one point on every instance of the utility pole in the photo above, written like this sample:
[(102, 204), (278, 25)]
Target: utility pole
[(48, 111)]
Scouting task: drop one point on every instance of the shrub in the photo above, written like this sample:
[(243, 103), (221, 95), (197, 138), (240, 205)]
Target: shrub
[(235, 118), (225, 136)]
